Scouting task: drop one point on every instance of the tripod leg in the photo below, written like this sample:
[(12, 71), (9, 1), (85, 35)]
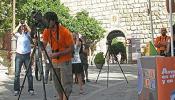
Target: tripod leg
[(115, 56), (40, 67), (108, 73), (99, 73), (121, 69), (27, 70), (101, 66), (54, 72), (44, 88), (37, 65)]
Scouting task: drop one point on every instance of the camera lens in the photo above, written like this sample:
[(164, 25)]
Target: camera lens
[(22, 21)]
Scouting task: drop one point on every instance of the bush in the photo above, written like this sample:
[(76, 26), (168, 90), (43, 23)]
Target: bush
[(117, 48), (5, 60), (99, 58)]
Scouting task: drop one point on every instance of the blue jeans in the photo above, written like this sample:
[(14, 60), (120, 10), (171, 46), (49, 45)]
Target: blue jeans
[(21, 59)]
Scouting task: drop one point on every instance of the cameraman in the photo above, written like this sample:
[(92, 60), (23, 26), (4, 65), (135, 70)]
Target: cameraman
[(22, 34), (61, 42)]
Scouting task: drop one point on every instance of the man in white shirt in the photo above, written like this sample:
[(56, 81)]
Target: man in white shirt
[(22, 34)]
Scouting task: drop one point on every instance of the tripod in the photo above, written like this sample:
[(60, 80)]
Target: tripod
[(115, 56), (40, 47)]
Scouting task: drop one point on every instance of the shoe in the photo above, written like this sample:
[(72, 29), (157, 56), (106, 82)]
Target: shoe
[(83, 82), (16, 93), (46, 81), (87, 80), (82, 92), (50, 79), (31, 92)]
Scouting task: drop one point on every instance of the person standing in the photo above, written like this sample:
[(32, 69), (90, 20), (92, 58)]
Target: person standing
[(173, 39), (169, 46), (162, 42), (77, 67), (62, 44), (22, 34), (84, 59)]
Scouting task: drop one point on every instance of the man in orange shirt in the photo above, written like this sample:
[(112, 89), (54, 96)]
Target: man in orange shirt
[(162, 42), (61, 42)]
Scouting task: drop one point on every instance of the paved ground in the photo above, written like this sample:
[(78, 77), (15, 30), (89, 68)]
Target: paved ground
[(117, 88)]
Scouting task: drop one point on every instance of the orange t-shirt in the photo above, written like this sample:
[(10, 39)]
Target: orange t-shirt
[(64, 41), (162, 39)]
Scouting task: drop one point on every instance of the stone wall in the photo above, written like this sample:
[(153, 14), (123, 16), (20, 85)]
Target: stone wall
[(131, 16)]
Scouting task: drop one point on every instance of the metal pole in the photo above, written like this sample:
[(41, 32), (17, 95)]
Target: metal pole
[(171, 27), (13, 42), (150, 14), (14, 6)]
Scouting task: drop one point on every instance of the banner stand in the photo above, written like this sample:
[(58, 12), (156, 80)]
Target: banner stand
[(156, 78)]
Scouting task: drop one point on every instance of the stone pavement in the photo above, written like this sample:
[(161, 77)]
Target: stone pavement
[(117, 88)]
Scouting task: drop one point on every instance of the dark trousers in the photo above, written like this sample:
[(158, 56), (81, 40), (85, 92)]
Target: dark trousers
[(21, 59)]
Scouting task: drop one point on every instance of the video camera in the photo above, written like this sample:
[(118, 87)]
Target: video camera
[(37, 22), (22, 22), (37, 18)]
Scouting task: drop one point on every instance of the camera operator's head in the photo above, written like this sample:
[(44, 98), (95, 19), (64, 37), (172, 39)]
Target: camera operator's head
[(22, 28), (51, 19)]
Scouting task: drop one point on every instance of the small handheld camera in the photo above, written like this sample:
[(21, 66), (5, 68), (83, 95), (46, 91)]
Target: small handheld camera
[(22, 22)]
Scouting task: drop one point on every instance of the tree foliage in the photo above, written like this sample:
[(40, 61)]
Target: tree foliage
[(81, 23), (99, 58), (27, 6), (5, 16), (117, 47), (88, 26)]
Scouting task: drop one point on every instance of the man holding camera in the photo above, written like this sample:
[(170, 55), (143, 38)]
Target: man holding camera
[(22, 34), (61, 42)]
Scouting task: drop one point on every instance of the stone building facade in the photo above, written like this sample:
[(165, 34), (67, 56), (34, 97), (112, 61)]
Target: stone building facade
[(132, 17)]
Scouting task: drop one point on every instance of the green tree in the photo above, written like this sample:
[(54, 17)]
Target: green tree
[(88, 26), (82, 23), (5, 16), (27, 6), (118, 47)]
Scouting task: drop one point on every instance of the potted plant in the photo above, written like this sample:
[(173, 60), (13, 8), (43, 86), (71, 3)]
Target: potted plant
[(99, 60)]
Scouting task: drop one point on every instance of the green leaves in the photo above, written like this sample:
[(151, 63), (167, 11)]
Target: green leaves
[(99, 58), (89, 27), (117, 47), (81, 23), (5, 16), (45, 6)]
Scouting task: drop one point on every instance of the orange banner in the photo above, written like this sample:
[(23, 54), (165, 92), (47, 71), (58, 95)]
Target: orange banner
[(165, 78)]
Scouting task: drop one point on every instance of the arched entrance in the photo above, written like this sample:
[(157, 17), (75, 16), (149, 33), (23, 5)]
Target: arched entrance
[(115, 33), (119, 48)]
